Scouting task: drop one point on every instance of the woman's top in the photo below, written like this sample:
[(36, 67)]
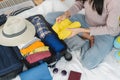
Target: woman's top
[(107, 23)]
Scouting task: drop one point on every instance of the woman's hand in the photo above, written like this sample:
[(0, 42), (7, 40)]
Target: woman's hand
[(78, 30), (91, 41), (74, 31), (90, 38), (62, 17), (85, 34)]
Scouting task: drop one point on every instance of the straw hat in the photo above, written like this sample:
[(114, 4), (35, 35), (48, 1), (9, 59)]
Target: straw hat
[(16, 31)]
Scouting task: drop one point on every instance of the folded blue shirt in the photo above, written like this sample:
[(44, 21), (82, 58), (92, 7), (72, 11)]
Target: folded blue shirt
[(40, 72)]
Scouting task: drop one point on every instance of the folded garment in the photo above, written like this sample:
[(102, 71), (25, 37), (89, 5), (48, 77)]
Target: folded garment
[(21, 46), (38, 56), (39, 49), (54, 43), (40, 72), (61, 28), (31, 47), (57, 27), (40, 25)]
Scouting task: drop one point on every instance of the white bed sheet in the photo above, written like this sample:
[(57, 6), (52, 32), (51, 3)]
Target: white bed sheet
[(109, 69)]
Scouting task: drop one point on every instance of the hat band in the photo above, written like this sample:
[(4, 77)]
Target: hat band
[(15, 34)]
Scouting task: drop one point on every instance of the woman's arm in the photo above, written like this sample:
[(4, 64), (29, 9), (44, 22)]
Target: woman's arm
[(112, 22), (85, 34), (78, 5), (78, 30)]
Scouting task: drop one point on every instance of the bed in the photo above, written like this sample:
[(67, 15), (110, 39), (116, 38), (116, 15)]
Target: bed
[(109, 69)]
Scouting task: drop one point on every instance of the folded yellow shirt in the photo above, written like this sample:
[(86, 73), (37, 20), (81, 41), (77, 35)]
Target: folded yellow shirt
[(61, 28), (39, 49), (31, 47)]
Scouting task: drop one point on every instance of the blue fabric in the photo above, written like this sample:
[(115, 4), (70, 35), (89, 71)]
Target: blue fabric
[(39, 72), (116, 43), (92, 57), (3, 19), (117, 55), (40, 25), (10, 65), (54, 43)]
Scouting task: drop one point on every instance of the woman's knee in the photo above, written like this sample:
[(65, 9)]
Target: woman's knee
[(90, 63), (92, 58)]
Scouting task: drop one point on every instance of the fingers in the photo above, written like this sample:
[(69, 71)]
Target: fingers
[(60, 18), (91, 41)]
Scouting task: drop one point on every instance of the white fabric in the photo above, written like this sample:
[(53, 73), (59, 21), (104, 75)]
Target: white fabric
[(45, 7), (109, 69), (8, 10)]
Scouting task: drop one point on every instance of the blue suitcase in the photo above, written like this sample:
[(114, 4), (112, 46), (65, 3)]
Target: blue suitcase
[(10, 64)]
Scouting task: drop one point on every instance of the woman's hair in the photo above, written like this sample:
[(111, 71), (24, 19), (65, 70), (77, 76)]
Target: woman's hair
[(96, 5)]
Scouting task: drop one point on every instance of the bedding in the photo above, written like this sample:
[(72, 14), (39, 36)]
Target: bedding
[(9, 9), (8, 3), (44, 8), (20, 10), (109, 69)]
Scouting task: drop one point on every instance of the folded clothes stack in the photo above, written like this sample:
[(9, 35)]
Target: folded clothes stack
[(36, 51)]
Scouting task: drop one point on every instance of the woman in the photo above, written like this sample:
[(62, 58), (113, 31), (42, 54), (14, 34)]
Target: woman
[(100, 25)]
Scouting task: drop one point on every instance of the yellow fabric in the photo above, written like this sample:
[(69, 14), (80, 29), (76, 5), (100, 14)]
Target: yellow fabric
[(119, 21), (61, 28), (39, 49), (31, 47)]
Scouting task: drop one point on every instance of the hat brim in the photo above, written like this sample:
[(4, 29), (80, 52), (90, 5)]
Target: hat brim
[(21, 39)]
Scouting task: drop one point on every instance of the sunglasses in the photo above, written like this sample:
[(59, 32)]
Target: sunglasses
[(63, 72), (56, 70)]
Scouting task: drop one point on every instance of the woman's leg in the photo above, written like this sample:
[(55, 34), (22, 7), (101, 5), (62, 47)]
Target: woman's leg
[(91, 57)]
